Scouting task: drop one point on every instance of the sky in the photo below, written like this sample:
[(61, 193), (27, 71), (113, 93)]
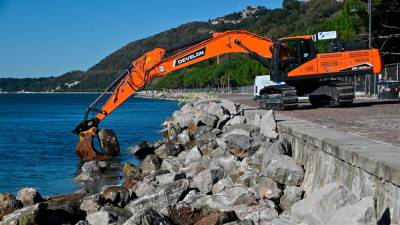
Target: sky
[(40, 38)]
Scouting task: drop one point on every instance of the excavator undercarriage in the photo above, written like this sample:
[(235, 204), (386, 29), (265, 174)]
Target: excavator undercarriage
[(279, 97)]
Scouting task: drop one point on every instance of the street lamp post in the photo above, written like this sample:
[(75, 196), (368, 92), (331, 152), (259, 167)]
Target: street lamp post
[(370, 24)]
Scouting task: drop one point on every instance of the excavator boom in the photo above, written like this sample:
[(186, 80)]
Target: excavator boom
[(153, 64)]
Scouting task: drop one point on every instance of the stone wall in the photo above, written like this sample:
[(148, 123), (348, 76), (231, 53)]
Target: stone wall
[(365, 166)]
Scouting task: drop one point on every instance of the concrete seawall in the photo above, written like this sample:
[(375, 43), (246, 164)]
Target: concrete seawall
[(365, 166)]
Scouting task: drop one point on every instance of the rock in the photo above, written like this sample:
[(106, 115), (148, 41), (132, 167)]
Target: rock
[(122, 215), (102, 165), (131, 171), (141, 150), (256, 158), (192, 155), (26, 215), (206, 142), (91, 167), (319, 206), (186, 215), (212, 202), (169, 177), (207, 120), (236, 120), (201, 130), (262, 216), (8, 204), (279, 147), (147, 216), (150, 164), (85, 178), (188, 107), (222, 122), (172, 131), (217, 218), (101, 218), (268, 125), (229, 107), (29, 196), (225, 200), (116, 195), (362, 212), (229, 163), (208, 147), (238, 131), (167, 195), (243, 222), (238, 141), (247, 127), (247, 164), (168, 149), (183, 118), (292, 194), (222, 185), (109, 142), (130, 185), (194, 168), (267, 188), (243, 211), (221, 144), (215, 109), (282, 169), (64, 209), (184, 138), (171, 164), (279, 221), (205, 180), (239, 195), (191, 197), (143, 189), (90, 204), (285, 215), (253, 116)]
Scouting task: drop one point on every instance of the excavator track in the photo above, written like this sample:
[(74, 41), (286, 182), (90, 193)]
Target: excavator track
[(333, 93), (282, 98), (345, 93)]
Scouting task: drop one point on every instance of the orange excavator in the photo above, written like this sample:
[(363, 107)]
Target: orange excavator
[(296, 68)]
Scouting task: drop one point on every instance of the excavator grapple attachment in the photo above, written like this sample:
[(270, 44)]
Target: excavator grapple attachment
[(87, 130), (85, 149)]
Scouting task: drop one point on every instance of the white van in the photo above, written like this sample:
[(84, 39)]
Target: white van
[(262, 81)]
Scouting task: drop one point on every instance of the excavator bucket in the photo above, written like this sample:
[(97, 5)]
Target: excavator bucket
[(85, 150)]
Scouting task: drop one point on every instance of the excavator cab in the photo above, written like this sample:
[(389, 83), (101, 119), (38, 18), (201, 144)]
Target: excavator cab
[(289, 54)]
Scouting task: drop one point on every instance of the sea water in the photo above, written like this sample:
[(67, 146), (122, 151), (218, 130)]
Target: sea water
[(37, 147)]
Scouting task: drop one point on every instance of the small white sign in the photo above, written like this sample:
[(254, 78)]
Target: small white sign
[(327, 35)]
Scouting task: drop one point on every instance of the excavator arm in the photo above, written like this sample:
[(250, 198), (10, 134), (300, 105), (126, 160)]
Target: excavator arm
[(153, 64)]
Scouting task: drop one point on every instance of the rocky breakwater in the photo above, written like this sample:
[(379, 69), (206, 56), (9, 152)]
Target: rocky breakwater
[(218, 163)]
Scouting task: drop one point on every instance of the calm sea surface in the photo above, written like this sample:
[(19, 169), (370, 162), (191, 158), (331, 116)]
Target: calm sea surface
[(37, 148)]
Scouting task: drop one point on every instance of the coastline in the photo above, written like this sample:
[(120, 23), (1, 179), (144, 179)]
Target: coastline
[(218, 162)]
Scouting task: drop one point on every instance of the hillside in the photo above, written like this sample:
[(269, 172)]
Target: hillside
[(293, 18)]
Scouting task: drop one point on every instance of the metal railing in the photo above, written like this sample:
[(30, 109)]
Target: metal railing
[(364, 85), (368, 85), (225, 89)]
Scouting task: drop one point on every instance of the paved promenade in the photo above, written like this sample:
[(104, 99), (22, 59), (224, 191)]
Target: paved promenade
[(368, 118)]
